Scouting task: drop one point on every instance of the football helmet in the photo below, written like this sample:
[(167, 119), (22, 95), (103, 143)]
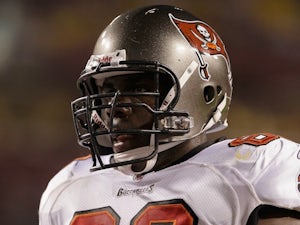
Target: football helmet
[(191, 71)]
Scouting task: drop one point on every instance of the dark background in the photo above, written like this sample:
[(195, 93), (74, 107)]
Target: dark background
[(44, 45)]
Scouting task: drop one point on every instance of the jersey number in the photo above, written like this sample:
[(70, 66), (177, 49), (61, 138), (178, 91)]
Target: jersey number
[(254, 139), (154, 213)]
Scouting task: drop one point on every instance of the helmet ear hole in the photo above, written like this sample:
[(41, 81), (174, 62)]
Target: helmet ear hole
[(209, 94)]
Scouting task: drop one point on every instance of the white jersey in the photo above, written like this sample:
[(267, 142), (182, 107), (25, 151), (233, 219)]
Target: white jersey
[(223, 185)]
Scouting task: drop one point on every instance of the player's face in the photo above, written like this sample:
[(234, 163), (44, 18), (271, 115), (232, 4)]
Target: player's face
[(129, 117)]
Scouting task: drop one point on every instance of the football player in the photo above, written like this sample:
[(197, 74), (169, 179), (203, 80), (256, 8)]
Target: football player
[(159, 80)]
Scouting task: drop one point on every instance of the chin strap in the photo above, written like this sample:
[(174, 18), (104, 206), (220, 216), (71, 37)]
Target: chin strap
[(215, 120), (135, 154), (139, 153)]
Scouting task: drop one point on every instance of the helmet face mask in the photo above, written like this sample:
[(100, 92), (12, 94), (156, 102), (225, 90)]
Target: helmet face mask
[(96, 114), (183, 85)]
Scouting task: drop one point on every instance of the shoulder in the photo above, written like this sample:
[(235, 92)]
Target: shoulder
[(254, 154), (263, 141), (268, 162), (77, 168), (251, 148), (265, 149)]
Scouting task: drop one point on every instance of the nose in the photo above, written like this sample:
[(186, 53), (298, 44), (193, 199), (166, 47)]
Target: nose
[(119, 111)]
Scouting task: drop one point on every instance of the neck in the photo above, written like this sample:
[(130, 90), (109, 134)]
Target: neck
[(171, 156)]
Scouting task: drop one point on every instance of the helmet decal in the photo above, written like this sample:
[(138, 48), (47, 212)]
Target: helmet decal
[(203, 39)]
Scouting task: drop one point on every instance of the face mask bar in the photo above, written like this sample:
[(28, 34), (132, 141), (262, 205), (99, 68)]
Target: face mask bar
[(89, 125)]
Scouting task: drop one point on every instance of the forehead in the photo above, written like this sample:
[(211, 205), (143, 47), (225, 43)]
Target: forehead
[(131, 78)]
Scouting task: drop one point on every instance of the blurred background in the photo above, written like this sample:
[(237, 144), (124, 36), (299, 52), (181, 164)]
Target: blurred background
[(44, 45)]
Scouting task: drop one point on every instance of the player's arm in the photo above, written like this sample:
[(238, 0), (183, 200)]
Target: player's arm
[(279, 221), (272, 215)]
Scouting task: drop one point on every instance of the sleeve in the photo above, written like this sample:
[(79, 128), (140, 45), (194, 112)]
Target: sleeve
[(51, 191), (277, 181), (272, 165), (78, 167)]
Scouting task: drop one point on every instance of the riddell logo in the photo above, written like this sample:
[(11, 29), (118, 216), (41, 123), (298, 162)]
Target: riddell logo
[(105, 59)]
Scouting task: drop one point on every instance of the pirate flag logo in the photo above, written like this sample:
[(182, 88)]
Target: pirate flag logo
[(203, 39)]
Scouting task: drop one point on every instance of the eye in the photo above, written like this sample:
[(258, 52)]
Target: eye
[(107, 88), (138, 89)]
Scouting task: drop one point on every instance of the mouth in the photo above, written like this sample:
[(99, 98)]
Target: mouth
[(125, 142), (122, 142)]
